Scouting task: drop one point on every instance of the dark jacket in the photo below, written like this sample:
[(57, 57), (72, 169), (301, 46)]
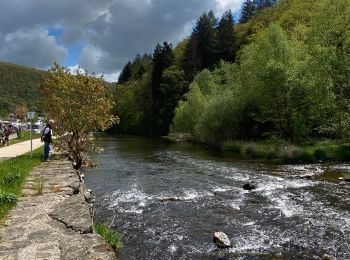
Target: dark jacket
[(47, 137)]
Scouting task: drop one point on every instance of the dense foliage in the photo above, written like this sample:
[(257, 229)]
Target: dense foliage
[(282, 72), (19, 86)]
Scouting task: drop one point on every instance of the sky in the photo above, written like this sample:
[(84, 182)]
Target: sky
[(100, 36)]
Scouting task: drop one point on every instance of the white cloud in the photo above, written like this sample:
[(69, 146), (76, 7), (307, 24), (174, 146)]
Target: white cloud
[(32, 47), (224, 5), (111, 77)]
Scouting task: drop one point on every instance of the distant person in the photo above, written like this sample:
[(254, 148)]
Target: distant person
[(18, 131), (8, 132), (2, 134), (46, 137)]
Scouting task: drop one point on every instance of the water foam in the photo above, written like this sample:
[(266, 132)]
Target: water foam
[(129, 201)]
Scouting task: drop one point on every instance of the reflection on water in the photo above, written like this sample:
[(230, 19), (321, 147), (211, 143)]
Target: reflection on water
[(168, 200)]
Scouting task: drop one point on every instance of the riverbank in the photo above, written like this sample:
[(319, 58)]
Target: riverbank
[(51, 221), (278, 150)]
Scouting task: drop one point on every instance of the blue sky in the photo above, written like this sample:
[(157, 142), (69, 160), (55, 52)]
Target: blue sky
[(97, 35)]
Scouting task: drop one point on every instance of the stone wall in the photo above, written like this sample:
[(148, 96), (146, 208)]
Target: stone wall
[(53, 222)]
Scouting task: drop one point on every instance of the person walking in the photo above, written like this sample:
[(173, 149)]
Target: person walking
[(8, 132), (46, 137)]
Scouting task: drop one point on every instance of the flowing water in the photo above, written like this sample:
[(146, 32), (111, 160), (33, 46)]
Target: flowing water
[(168, 199)]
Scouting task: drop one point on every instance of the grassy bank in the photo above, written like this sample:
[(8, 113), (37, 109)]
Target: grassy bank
[(13, 173), (112, 238), (283, 152), (279, 150)]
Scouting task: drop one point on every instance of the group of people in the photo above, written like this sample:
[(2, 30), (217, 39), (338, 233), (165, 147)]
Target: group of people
[(5, 133)]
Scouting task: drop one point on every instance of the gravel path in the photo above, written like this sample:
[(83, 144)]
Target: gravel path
[(53, 225)]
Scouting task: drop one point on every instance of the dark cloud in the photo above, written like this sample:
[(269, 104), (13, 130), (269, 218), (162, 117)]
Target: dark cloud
[(112, 31)]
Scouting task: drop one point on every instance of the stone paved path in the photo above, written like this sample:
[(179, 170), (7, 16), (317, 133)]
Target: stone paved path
[(53, 225)]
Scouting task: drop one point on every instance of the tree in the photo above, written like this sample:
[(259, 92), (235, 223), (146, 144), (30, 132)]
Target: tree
[(79, 105), (125, 75), (263, 3), (248, 10), (172, 88), (200, 52), (163, 58), (225, 39), (21, 112)]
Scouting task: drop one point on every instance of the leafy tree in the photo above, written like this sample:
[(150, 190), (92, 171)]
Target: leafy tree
[(248, 10), (79, 105), (189, 112), (21, 112), (134, 105), (330, 41), (226, 40)]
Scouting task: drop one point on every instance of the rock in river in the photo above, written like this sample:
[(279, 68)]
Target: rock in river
[(171, 199), (249, 186), (221, 240)]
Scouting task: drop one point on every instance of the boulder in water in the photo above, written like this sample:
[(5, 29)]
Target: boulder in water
[(327, 257), (221, 240), (249, 186), (306, 176), (171, 199)]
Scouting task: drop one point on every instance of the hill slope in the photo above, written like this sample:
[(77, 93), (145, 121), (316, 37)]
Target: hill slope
[(19, 85)]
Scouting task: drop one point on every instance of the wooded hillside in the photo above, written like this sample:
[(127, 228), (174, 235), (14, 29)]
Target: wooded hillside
[(19, 86)]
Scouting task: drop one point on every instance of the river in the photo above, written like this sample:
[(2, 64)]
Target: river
[(286, 217)]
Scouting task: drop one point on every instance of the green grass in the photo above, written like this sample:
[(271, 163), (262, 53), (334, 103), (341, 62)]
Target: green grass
[(113, 238), (13, 174), (281, 151)]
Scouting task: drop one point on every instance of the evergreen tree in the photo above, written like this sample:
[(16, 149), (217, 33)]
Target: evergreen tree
[(137, 68), (248, 10), (226, 40), (163, 58), (200, 51), (125, 75)]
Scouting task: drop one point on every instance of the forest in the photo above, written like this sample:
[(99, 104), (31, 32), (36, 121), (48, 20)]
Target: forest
[(281, 71)]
